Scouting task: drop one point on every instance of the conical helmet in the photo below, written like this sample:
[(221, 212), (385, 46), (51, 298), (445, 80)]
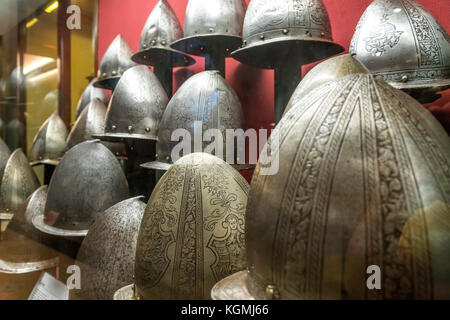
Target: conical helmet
[(18, 182), (192, 232), (91, 121), (115, 62), (272, 28), (161, 29), (359, 161), (106, 256), (212, 24), (205, 101), (403, 43), (331, 69), (89, 94), (4, 156), (136, 107), (87, 181), (49, 144)]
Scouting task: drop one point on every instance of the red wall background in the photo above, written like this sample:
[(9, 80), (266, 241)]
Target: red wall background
[(253, 86)]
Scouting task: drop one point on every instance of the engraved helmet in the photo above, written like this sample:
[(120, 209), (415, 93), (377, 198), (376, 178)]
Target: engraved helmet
[(161, 29), (272, 28), (363, 181), (89, 94), (136, 107), (115, 62), (49, 144), (331, 69), (212, 24), (4, 156), (205, 101), (192, 232), (106, 256), (401, 42), (17, 183), (88, 180)]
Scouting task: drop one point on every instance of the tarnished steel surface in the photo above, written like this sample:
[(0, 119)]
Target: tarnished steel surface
[(160, 30), (400, 41), (363, 180), (205, 97), (49, 144), (18, 182), (331, 69), (89, 94), (33, 206), (298, 30), (4, 156), (106, 256), (192, 232), (87, 181), (91, 121), (115, 62), (212, 24), (136, 107)]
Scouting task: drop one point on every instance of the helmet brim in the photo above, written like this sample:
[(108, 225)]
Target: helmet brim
[(200, 45), (157, 55), (39, 223), (125, 293), (233, 287)]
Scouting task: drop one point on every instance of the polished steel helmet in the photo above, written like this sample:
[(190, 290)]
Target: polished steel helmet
[(136, 107), (49, 144), (106, 256), (212, 24), (358, 161), (192, 232), (87, 181), (161, 29), (401, 42), (115, 62), (4, 156), (205, 98), (89, 94), (17, 183), (91, 121), (274, 29), (331, 69)]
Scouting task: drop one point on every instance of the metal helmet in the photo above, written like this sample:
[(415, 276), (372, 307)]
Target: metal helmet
[(358, 161), (401, 42), (115, 62), (161, 29), (4, 156), (87, 181), (17, 183), (211, 24), (91, 121), (106, 256), (205, 98), (89, 94), (136, 106), (331, 69), (49, 144), (273, 27), (193, 225)]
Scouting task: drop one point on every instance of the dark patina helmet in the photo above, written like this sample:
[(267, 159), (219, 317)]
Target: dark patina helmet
[(106, 256), (363, 181), (87, 181)]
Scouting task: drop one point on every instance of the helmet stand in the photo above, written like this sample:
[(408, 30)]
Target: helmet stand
[(287, 77)]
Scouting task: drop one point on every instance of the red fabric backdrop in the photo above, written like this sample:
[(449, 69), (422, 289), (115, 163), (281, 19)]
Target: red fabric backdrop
[(254, 86)]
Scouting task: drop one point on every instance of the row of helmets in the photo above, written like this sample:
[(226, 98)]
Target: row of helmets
[(363, 180)]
